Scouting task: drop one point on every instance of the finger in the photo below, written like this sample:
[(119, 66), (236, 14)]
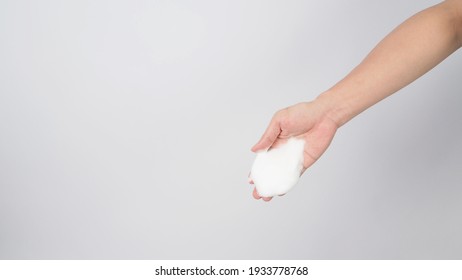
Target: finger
[(255, 194), (269, 136), (278, 142)]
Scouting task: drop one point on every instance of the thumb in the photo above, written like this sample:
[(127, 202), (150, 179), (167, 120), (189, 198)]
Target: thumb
[(268, 138)]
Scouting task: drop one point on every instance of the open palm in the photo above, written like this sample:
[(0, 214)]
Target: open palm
[(304, 120)]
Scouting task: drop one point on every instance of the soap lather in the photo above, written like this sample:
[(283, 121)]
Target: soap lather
[(276, 171)]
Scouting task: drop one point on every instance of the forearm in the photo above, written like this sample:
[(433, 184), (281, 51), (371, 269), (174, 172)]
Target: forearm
[(408, 52)]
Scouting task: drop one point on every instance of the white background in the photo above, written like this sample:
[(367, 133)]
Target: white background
[(126, 127)]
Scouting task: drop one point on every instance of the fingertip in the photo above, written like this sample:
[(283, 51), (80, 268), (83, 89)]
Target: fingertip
[(268, 137), (266, 199), (255, 194), (257, 148)]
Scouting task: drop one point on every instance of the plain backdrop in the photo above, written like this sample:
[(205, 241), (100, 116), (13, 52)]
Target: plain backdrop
[(126, 128)]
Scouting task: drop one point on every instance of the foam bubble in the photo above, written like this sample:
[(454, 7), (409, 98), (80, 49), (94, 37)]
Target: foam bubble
[(276, 171)]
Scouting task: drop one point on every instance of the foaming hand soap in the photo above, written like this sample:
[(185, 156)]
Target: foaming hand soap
[(276, 171)]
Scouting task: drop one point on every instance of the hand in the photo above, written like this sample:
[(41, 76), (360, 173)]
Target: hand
[(308, 120)]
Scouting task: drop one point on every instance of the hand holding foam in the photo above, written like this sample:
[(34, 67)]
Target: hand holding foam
[(276, 171)]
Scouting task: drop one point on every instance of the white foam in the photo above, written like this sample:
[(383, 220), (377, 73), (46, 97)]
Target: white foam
[(276, 171)]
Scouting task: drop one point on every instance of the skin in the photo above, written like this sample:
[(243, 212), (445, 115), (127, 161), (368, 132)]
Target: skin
[(409, 51)]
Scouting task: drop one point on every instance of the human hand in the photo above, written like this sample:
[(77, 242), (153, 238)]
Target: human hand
[(308, 120)]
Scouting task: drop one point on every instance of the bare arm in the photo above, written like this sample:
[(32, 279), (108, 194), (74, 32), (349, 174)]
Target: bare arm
[(408, 52)]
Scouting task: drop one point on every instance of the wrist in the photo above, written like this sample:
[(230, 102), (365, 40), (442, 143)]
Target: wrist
[(335, 108)]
